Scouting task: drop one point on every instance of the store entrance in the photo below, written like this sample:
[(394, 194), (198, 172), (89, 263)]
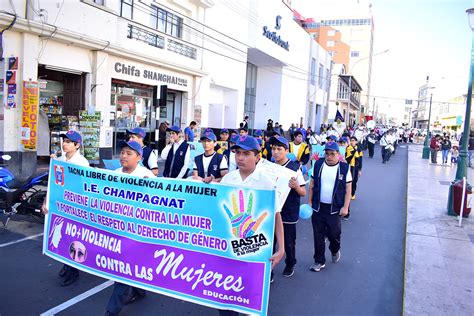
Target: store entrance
[(60, 100)]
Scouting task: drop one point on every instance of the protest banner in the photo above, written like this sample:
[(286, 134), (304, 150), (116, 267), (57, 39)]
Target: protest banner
[(205, 243), (29, 115), (280, 175)]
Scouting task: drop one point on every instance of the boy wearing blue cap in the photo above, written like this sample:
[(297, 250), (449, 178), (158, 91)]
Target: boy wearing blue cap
[(150, 156), (290, 210), (247, 155), (329, 196), (177, 155), (72, 141), (130, 156), (209, 166)]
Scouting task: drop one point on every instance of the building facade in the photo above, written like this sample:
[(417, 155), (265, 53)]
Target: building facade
[(108, 66)]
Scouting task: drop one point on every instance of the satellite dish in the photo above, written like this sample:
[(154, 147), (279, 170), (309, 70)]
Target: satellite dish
[(371, 124)]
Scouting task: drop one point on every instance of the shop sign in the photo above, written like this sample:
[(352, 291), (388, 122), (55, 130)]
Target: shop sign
[(29, 116), (149, 74), (274, 37)]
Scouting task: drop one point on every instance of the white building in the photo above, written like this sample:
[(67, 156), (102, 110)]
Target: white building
[(139, 63)]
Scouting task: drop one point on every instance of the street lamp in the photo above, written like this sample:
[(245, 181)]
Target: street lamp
[(426, 147), (461, 170), (350, 78)]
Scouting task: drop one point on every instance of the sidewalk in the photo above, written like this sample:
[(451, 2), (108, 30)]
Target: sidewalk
[(439, 255)]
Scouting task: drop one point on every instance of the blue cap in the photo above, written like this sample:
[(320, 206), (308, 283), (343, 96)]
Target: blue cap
[(341, 139), (209, 135), (73, 135), (224, 130), (234, 139), (133, 145), (137, 131), (246, 143), (331, 146), (208, 130), (275, 133), (301, 131), (257, 133), (173, 128), (333, 137), (280, 141)]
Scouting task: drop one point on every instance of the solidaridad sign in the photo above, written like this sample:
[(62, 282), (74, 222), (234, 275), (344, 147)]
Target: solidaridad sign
[(205, 243)]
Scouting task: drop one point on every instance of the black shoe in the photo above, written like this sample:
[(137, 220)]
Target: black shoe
[(63, 271), (135, 296), (288, 271), (70, 279)]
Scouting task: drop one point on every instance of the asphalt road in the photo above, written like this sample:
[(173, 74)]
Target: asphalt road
[(367, 281)]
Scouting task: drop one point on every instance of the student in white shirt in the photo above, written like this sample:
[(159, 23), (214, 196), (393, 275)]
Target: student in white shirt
[(72, 141), (177, 155), (247, 155), (130, 157), (209, 166)]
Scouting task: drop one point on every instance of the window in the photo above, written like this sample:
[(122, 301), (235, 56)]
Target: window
[(321, 75), (99, 2), (354, 54), (331, 32), (330, 44), (166, 22), (313, 71), (126, 9)]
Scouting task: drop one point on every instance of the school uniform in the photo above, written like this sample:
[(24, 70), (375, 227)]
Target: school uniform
[(301, 152), (329, 191), (354, 159), (124, 294), (267, 151), (210, 165), (177, 158), (149, 158), (290, 215)]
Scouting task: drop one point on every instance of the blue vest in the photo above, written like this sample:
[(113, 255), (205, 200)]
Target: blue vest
[(173, 171), (291, 209), (146, 154), (339, 192), (213, 168), (227, 154)]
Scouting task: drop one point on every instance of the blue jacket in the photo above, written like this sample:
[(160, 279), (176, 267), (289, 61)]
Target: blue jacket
[(146, 154), (339, 192)]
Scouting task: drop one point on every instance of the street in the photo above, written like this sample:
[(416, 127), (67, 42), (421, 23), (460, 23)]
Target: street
[(367, 281)]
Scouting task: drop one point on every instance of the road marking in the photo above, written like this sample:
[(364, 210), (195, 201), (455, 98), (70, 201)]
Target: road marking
[(77, 299), (20, 240)]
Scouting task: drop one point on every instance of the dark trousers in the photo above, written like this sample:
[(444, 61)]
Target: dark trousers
[(70, 270), (371, 149), (119, 296), (290, 243), (227, 313), (385, 155), (434, 155), (355, 178), (325, 225)]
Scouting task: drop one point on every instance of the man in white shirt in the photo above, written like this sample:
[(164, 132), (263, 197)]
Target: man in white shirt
[(177, 159), (149, 156), (329, 196)]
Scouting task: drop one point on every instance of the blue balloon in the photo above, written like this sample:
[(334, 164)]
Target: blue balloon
[(303, 170), (306, 211), (291, 156)]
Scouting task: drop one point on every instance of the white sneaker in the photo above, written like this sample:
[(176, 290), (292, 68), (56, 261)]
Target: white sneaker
[(317, 267)]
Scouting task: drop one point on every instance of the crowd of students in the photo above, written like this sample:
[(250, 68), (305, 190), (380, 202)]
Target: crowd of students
[(235, 160)]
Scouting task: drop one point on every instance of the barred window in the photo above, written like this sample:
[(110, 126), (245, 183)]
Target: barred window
[(166, 22)]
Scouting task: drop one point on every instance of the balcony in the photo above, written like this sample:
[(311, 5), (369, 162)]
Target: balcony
[(156, 39)]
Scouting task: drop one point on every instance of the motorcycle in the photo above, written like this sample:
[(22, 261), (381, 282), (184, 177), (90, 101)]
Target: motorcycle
[(21, 197)]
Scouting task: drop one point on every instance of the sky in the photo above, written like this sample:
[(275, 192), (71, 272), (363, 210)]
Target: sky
[(424, 38)]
